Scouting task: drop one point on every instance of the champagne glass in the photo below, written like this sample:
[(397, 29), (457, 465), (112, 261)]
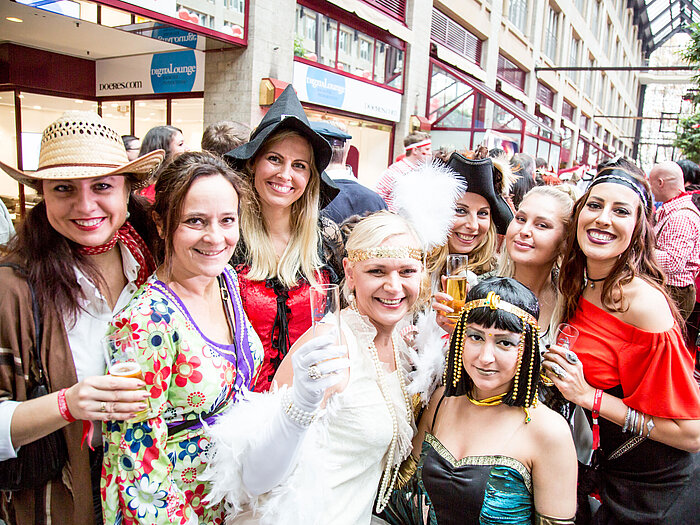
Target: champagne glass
[(457, 284), (120, 352), (325, 316), (566, 335)]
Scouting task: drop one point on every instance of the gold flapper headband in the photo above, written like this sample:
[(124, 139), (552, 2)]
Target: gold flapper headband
[(402, 252), (493, 301)]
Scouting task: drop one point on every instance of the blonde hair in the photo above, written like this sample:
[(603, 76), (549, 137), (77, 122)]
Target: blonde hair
[(566, 198), (301, 253), (373, 231), (482, 258)]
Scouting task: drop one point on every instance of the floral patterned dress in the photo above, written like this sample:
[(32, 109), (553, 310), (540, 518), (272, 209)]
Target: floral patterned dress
[(151, 468)]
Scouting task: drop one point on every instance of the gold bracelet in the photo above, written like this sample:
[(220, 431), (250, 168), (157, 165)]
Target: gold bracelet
[(540, 519)]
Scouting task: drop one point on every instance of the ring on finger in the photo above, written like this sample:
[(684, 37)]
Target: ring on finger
[(103, 406), (559, 371), (314, 373), (571, 357)]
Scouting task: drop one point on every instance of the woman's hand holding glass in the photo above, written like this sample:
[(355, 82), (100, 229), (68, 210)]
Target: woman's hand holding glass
[(108, 397), (565, 370), (318, 365)]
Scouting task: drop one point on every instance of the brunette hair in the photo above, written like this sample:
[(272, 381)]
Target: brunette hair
[(158, 138), (51, 259), (172, 187), (301, 254), (222, 137), (636, 261)]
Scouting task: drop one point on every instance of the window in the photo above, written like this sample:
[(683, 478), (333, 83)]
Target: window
[(393, 8), (573, 57), (550, 34), (581, 6), (595, 16), (445, 31), (584, 122), (511, 73), (590, 78), (517, 14), (567, 111), (322, 39), (545, 95)]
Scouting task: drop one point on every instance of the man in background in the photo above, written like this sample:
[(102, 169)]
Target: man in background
[(418, 149), (677, 234), (222, 137), (354, 198)]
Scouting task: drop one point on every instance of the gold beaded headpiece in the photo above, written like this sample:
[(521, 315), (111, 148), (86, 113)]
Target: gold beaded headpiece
[(454, 356), (389, 252)]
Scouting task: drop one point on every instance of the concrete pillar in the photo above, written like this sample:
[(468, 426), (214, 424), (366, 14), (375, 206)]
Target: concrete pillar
[(232, 76), (417, 65)]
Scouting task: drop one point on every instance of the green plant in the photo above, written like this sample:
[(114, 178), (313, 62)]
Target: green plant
[(688, 131), (299, 50)]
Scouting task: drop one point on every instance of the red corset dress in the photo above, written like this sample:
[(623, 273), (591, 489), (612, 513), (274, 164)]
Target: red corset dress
[(280, 315)]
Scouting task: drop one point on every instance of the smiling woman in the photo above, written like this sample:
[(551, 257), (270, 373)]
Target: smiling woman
[(285, 245), (485, 452), (291, 463), (632, 372), (74, 262), (194, 343)]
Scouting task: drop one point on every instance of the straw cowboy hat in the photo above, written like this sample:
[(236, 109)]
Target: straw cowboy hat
[(287, 113), (80, 145)]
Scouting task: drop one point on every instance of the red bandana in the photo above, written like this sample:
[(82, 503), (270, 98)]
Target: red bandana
[(134, 243)]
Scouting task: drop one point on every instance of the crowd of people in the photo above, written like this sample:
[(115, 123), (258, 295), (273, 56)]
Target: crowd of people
[(411, 410)]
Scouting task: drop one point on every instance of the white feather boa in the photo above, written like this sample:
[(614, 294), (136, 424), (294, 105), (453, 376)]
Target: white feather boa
[(290, 503), (427, 354)]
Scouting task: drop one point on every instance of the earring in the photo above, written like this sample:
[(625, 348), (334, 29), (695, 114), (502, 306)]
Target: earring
[(351, 301)]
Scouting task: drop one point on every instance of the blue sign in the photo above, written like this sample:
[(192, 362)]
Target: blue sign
[(325, 88), (173, 72), (177, 36)]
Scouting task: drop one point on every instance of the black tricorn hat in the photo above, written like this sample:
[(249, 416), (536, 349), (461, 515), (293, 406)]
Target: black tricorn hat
[(481, 179), (287, 114)]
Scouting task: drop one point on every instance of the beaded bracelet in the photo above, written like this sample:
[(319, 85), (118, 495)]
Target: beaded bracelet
[(296, 414), (63, 406)]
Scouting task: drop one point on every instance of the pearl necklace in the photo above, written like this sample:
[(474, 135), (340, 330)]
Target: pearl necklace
[(391, 471)]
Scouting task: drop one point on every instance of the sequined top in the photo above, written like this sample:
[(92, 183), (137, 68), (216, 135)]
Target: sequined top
[(479, 490)]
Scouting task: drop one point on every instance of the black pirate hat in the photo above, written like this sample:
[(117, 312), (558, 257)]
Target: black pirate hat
[(481, 179), (287, 114)]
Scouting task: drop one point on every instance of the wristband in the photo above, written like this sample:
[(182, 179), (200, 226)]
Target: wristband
[(63, 406), (595, 413)]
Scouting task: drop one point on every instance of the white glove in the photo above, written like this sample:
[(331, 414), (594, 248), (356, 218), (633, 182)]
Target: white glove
[(273, 455)]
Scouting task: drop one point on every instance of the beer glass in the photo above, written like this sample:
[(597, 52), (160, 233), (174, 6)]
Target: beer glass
[(120, 353), (457, 284), (325, 318)]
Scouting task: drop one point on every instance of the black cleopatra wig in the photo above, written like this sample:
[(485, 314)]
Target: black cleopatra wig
[(505, 304)]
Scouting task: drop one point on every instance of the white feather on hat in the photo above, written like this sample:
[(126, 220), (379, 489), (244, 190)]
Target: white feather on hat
[(426, 198)]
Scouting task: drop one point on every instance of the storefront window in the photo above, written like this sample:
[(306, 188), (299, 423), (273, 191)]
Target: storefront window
[(322, 39), (8, 141), (149, 114), (117, 113), (188, 115)]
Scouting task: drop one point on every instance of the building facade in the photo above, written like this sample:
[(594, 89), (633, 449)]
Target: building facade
[(468, 71)]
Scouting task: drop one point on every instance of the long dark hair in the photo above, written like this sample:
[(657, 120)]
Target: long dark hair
[(636, 261), (158, 138), (51, 259), (171, 190), (525, 384)]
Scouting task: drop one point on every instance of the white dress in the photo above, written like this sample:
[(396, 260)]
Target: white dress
[(343, 454)]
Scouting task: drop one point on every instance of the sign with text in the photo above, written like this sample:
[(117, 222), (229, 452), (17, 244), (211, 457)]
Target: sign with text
[(176, 72), (325, 88)]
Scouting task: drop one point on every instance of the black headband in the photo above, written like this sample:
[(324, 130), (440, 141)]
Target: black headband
[(622, 177)]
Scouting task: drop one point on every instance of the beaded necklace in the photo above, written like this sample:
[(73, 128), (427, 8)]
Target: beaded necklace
[(391, 471)]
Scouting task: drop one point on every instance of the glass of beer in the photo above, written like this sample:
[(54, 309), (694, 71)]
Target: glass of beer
[(121, 362), (457, 284)]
